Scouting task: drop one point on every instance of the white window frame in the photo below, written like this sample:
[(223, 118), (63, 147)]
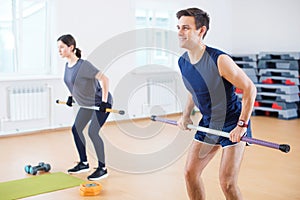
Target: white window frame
[(19, 44), (151, 21)]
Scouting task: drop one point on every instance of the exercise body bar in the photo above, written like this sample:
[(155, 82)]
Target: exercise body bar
[(121, 112), (282, 147)]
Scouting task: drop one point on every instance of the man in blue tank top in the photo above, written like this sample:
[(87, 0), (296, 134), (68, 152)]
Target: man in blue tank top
[(211, 77)]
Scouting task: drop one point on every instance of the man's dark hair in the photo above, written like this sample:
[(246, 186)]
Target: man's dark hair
[(200, 16)]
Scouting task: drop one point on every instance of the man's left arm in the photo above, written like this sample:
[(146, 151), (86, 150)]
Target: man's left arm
[(229, 70)]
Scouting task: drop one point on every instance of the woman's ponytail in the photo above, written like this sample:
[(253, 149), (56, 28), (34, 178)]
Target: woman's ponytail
[(78, 52)]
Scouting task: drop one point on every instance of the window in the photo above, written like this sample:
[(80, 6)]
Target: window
[(162, 23), (24, 40)]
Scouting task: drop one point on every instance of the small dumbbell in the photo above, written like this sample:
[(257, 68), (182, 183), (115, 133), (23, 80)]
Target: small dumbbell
[(41, 167)]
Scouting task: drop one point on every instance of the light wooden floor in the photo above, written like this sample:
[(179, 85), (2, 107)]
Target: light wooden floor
[(265, 173)]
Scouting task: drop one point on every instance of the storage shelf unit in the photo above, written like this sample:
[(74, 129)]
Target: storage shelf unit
[(276, 77), (278, 87)]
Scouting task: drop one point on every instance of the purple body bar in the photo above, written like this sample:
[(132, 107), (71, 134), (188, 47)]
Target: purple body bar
[(282, 147)]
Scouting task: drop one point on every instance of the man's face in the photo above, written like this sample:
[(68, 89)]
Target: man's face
[(187, 34)]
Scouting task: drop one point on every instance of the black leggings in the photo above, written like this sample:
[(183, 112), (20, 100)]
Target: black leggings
[(97, 119)]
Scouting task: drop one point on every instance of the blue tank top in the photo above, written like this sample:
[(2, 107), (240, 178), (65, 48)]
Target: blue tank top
[(213, 95)]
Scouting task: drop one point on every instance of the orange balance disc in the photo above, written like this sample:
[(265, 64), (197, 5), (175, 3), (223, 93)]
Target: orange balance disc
[(90, 188)]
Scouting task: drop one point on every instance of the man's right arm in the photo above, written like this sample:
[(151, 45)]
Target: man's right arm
[(185, 118)]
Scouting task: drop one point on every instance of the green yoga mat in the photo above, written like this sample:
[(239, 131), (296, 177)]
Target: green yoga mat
[(35, 185)]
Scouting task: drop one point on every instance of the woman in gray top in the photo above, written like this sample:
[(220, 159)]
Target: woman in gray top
[(82, 80)]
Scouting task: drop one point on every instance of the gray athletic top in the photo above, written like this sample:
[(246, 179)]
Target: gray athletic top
[(81, 82)]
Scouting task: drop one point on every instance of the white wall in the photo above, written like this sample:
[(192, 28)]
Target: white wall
[(236, 26), (91, 22), (268, 25)]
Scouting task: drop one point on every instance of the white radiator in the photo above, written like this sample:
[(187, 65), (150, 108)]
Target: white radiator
[(162, 92), (28, 102)]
